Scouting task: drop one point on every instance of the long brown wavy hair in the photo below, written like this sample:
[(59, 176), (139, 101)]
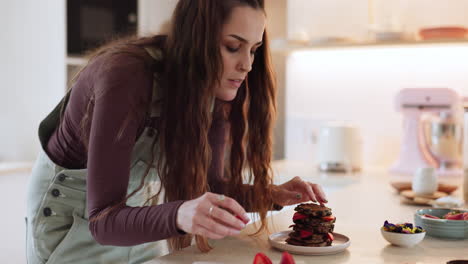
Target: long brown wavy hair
[(192, 69)]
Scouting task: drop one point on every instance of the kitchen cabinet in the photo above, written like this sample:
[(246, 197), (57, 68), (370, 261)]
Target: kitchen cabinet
[(152, 17), (325, 22)]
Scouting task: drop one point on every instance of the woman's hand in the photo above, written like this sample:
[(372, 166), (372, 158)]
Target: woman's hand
[(212, 215), (298, 191)]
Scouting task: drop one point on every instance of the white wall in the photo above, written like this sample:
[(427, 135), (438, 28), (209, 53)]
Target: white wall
[(32, 71), (359, 84)]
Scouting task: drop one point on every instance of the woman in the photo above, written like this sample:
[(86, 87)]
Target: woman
[(135, 153)]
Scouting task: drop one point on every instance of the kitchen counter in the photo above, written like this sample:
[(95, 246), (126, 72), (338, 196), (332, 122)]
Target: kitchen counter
[(361, 203), (15, 167)]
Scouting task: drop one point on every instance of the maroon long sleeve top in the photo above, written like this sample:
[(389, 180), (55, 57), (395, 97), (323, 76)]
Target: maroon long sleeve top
[(116, 89)]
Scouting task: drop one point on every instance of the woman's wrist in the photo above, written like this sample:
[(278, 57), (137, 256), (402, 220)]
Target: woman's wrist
[(274, 194), (276, 204), (178, 220)]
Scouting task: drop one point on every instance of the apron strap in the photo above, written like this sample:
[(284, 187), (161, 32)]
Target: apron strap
[(50, 123)]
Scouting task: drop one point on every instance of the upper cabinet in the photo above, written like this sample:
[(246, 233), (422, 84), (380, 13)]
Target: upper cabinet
[(291, 23), (91, 23)]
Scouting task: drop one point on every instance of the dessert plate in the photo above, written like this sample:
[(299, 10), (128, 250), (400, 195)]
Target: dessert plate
[(278, 240)]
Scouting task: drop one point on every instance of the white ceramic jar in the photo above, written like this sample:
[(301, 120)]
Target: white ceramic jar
[(424, 181)]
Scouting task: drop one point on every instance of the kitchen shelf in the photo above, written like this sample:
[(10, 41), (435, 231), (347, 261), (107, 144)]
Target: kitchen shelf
[(297, 47)]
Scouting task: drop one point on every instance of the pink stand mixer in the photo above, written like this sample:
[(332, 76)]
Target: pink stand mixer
[(432, 131)]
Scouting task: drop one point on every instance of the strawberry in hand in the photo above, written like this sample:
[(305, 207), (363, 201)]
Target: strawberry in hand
[(243, 220)]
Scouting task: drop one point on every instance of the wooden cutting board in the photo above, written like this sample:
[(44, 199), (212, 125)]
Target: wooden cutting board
[(409, 197), (403, 186)]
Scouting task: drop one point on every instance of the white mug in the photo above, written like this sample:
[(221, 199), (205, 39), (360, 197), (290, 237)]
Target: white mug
[(424, 181)]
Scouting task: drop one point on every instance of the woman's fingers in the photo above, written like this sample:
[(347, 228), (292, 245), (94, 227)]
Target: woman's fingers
[(213, 217), (320, 194), (207, 213), (311, 193), (216, 227), (307, 188), (231, 205), (225, 217), (314, 191)]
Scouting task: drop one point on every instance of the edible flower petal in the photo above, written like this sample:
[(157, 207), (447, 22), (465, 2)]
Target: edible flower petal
[(405, 228)]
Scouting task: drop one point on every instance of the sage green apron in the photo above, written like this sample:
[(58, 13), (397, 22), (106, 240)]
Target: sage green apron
[(57, 216)]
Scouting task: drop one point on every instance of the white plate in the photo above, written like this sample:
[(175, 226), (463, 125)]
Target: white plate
[(278, 240)]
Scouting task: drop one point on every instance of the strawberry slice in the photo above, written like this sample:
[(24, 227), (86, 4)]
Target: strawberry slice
[(286, 258), (330, 236), (454, 216), (465, 216), (430, 216), (298, 216), (305, 233), (261, 258), (328, 218)]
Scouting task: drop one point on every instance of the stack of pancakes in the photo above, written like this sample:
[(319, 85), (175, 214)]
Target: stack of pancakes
[(313, 226)]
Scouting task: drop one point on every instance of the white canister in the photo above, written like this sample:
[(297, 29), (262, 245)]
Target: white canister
[(425, 181), (339, 148)]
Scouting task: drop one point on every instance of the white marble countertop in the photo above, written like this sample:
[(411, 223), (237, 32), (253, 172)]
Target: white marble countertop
[(361, 203)]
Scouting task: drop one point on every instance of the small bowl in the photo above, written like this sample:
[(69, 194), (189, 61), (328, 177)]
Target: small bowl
[(443, 228), (402, 239)]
